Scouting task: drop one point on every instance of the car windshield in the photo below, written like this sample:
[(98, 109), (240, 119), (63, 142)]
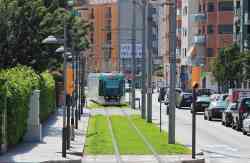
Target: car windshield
[(246, 103), (187, 96), (232, 106)]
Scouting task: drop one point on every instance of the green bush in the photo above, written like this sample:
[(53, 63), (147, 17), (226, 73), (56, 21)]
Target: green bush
[(47, 95), (21, 81)]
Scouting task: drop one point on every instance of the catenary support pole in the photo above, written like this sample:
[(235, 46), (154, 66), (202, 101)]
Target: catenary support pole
[(172, 61), (144, 67), (133, 54), (64, 129), (149, 63)]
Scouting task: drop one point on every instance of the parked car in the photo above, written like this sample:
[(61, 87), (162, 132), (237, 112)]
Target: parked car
[(246, 125), (214, 97), (243, 107), (204, 91), (215, 109), (127, 87), (202, 102), (227, 117), (184, 100)]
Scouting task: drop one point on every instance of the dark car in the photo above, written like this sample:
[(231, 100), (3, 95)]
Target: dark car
[(215, 109), (242, 107), (202, 102), (227, 117), (184, 100)]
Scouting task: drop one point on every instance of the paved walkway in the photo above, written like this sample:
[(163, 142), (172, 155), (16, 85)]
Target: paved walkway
[(50, 147)]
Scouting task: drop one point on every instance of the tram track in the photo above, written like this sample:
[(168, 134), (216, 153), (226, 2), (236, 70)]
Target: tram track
[(118, 157), (114, 141), (143, 138)]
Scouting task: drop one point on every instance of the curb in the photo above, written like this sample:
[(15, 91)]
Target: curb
[(194, 161), (63, 161)]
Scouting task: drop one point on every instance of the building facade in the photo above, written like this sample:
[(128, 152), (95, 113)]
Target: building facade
[(207, 26), (103, 17), (242, 24), (165, 39)]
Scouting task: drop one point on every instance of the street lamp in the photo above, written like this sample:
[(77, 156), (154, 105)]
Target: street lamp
[(54, 40)]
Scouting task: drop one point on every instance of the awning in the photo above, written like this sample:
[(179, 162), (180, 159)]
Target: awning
[(192, 52)]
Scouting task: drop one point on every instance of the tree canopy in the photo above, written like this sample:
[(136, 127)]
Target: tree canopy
[(231, 67), (25, 23)]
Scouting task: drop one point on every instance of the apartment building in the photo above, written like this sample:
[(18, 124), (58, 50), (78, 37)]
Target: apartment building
[(192, 39), (207, 26), (103, 16), (242, 24), (165, 39)]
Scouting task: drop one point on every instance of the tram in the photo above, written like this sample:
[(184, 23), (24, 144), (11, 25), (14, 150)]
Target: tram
[(107, 88)]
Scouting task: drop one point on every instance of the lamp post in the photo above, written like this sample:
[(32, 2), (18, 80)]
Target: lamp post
[(62, 49)]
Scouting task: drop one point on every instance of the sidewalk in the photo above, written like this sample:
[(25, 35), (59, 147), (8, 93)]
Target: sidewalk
[(51, 146)]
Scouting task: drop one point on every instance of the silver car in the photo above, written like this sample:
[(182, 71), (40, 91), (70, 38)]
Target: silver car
[(246, 125)]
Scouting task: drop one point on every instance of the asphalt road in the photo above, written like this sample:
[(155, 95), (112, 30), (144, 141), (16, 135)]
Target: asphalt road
[(220, 143)]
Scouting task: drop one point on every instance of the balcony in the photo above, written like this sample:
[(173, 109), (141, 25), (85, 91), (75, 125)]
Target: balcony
[(199, 39), (200, 17), (178, 53), (247, 19)]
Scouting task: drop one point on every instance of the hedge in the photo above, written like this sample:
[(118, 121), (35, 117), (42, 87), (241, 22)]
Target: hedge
[(21, 81), (47, 96)]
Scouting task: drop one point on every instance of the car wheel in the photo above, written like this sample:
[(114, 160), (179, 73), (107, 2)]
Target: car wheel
[(233, 125), (237, 126), (205, 117), (244, 132), (222, 122)]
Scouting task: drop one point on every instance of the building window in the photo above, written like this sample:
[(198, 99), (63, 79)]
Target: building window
[(92, 38), (108, 13), (92, 15), (185, 10), (210, 52), (210, 7), (184, 32), (204, 7), (226, 6), (210, 29), (109, 37), (199, 7), (225, 29)]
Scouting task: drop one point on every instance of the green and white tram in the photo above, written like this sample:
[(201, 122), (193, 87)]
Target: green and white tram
[(107, 88)]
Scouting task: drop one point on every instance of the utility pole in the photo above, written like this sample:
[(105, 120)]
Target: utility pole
[(144, 67), (242, 29), (149, 61), (172, 60), (133, 54), (64, 129)]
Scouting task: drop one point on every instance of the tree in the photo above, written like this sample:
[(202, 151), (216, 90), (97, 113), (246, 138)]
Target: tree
[(228, 67), (25, 23)]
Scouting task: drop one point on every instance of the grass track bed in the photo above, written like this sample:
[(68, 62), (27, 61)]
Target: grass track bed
[(99, 140), (128, 141), (93, 105), (158, 140)]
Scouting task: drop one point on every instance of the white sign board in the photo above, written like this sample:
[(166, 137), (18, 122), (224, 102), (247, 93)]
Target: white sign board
[(126, 51)]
